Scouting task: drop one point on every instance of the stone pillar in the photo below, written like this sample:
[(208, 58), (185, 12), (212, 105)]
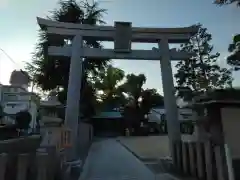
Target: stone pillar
[(170, 104), (73, 94)]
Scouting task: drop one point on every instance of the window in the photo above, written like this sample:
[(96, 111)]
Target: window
[(10, 97), (13, 105)]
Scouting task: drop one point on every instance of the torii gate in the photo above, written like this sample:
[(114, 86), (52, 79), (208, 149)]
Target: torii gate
[(123, 35)]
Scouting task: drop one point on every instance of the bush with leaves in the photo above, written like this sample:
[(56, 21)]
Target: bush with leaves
[(23, 119)]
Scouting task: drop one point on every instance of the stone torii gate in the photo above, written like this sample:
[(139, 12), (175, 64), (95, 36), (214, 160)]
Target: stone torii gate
[(123, 34)]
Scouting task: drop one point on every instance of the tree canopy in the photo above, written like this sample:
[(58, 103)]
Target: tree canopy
[(108, 83), (51, 73), (150, 99), (134, 87), (234, 48), (201, 72), (223, 2)]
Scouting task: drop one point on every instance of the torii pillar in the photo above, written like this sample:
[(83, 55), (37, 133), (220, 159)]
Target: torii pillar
[(72, 113), (170, 104)]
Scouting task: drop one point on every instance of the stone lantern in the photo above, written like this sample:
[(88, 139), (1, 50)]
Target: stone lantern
[(50, 111), (201, 122), (51, 126)]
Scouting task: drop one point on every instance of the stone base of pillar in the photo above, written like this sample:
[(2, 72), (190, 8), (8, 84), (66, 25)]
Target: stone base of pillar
[(74, 169)]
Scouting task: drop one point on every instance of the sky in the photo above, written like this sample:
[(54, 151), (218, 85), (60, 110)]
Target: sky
[(19, 29)]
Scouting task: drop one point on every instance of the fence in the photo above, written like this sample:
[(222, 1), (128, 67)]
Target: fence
[(28, 158), (41, 166), (201, 159), (21, 159)]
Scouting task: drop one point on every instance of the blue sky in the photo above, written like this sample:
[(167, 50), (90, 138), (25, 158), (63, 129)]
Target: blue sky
[(18, 28)]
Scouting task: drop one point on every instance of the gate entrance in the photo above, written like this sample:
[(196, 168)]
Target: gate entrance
[(122, 34)]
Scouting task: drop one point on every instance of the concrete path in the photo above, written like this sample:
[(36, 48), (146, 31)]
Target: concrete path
[(109, 160)]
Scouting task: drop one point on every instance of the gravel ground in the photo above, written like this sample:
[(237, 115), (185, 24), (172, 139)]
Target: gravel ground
[(147, 147), (153, 151)]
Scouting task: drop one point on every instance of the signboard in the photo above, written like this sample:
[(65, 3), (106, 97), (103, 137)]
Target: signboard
[(123, 37)]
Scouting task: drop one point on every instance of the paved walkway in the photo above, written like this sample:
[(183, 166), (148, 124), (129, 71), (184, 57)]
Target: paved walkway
[(108, 160)]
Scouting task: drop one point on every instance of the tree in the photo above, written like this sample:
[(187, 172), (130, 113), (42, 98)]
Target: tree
[(201, 72), (108, 83), (150, 98), (51, 73), (133, 87), (223, 2), (234, 48)]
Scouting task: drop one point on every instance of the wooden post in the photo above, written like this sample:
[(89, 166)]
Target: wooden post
[(200, 168), (41, 166), (229, 163), (179, 155), (51, 162), (22, 165), (192, 158), (208, 160), (3, 163), (185, 158), (219, 163)]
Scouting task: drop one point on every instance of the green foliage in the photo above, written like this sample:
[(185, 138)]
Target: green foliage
[(234, 48), (23, 119), (223, 2), (140, 100), (51, 73), (201, 72), (108, 83), (150, 98), (133, 86)]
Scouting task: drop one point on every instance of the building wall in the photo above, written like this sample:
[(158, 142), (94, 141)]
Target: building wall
[(15, 99), (158, 114), (231, 129)]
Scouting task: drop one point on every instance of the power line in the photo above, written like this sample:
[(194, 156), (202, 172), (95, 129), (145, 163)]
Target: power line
[(9, 57), (14, 62)]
